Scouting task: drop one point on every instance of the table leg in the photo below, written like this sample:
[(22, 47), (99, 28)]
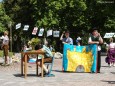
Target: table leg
[(21, 64), (37, 66), (42, 72), (25, 66)]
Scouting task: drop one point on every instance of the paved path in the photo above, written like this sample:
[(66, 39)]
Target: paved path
[(10, 76)]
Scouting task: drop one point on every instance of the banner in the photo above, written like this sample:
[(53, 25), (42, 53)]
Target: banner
[(18, 25), (49, 33), (34, 31), (26, 27), (41, 32), (56, 33), (79, 58), (109, 35)]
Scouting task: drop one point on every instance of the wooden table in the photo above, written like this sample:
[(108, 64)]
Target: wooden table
[(25, 55)]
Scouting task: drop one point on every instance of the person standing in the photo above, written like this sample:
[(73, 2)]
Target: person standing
[(67, 39), (5, 47), (78, 41), (111, 53), (95, 38)]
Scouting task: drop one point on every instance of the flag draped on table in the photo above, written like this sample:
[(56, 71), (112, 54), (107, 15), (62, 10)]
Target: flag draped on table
[(80, 58)]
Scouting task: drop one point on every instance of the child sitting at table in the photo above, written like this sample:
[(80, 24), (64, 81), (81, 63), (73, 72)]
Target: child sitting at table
[(47, 58)]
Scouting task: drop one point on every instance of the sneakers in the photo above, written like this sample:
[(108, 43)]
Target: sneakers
[(113, 64), (5, 64), (43, 74), (110, 65)]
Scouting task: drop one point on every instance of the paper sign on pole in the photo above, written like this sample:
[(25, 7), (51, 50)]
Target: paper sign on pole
[(56, 33), (26, 27), (34, 31), (109, 35), (18, 25), (49, 33), (41, 32)]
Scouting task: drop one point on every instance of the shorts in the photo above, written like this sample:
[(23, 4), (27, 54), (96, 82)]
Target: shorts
[(5, 49)]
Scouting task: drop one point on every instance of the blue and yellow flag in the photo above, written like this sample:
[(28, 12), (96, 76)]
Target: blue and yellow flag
[(80, 58)]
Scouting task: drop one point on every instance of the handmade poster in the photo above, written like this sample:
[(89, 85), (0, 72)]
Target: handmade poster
[(18, 25), (56, 33), (49, 33), (79, 58), (34, 31), (41, 32), (26, 27)]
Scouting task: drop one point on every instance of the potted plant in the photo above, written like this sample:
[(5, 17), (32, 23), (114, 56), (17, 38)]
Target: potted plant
[(33, 42)]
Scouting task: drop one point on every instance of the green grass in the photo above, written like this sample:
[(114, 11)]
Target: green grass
[(1, 53)]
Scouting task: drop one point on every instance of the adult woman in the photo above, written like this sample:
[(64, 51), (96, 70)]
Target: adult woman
[(111, 53), (5, 47)]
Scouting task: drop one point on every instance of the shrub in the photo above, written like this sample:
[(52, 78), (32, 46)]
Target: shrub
[(1, 53)]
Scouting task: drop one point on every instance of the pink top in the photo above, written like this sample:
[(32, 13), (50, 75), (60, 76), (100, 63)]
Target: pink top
[(111, 45)]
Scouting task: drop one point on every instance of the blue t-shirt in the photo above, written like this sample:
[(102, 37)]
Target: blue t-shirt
[(68, 40)]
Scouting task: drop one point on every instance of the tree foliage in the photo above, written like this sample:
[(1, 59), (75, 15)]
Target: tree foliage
[(4, 19), (78, 16)]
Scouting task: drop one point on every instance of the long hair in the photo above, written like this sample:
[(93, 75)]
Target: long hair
[(111, 40)]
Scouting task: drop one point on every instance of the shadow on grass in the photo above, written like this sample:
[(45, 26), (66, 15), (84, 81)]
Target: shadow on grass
[(109, 82)]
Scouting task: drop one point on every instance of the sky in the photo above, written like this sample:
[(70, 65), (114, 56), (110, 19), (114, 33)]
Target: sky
[(0, 0)]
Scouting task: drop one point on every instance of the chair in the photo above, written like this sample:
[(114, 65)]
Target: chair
[(50, 68)]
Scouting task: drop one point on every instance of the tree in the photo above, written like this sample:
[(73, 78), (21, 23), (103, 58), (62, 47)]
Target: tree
[(101, 14), (4, 19), (78, 16)]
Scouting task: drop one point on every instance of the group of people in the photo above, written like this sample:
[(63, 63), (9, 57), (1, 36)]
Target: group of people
[(95, 38)]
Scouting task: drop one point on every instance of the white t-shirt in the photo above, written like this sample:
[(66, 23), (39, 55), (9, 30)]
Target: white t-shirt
[(5, 40), (90, 40)]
